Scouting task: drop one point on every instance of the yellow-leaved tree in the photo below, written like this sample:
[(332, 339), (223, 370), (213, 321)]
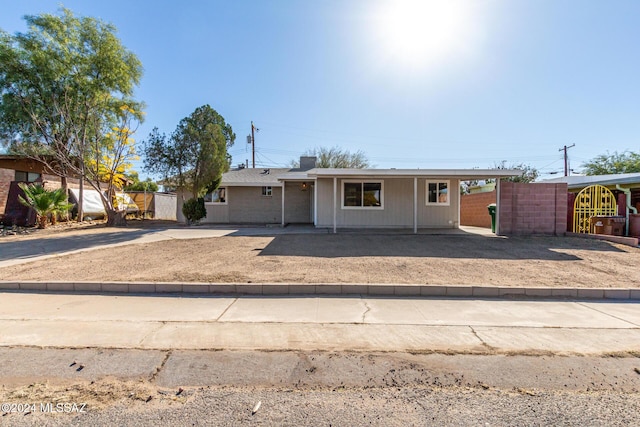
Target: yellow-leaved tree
[(109, 159)]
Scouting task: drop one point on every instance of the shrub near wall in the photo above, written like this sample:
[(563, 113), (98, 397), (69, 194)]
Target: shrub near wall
[(473, 209)]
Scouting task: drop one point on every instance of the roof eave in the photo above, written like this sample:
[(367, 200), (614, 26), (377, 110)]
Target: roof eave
[(462, 174), (251, 184)]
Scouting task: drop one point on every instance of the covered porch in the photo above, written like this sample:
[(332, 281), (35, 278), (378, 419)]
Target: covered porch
[(384, 199)]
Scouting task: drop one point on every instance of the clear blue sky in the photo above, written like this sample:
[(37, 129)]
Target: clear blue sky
[(412, 86)]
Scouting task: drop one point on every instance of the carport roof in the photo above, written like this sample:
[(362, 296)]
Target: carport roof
[(581, 181), (463, 174)]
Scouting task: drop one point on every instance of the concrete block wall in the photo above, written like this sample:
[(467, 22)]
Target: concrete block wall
[(536, 208), (473, 209)]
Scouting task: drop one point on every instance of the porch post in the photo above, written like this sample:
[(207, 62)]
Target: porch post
[(315, 203), (459, 204), (497, 206), (283, 185), (335, 202), (415, 205)]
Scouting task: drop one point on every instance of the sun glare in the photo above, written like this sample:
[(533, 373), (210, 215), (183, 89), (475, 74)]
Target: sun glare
[(421, 32)]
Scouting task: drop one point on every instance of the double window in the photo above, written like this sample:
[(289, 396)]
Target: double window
[(267, 191), (218, 196), (438, 193), (27, 176), (362, 194)]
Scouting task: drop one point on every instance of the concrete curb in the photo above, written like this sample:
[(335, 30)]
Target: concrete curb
[(629, 241), (280, 289)]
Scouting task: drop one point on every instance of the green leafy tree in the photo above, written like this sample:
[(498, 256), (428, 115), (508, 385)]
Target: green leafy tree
[(335, 157), (137, 185), (195, 155), (65, 84), (605, 164)]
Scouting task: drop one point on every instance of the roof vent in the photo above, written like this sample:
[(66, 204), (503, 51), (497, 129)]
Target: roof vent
[(266, 172)]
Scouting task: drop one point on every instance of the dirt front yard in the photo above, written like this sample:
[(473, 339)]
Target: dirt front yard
[(351, 258)]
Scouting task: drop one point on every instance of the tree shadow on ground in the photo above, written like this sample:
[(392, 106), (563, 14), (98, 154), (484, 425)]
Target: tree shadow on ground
[(22, 249), (431, 246)]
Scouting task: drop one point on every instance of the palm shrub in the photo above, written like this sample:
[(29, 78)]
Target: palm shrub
[(61, 205), (39, 199)]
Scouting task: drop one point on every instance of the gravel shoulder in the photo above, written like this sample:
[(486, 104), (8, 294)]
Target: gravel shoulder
[(323, 388), (346, 258)]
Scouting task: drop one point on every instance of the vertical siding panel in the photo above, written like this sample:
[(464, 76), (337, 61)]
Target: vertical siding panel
[(438, 216)]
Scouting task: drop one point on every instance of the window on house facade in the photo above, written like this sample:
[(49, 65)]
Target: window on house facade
[(219, 195), (267, 191), (362, 194), (26, 176), (438, 193)]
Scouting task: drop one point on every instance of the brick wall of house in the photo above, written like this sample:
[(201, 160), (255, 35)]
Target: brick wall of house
[(6, 176), (532, 209), (473, 209)]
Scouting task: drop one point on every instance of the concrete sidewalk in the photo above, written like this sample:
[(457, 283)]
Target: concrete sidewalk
[(319, 323)]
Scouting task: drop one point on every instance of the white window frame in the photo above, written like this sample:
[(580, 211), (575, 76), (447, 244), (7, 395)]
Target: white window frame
[(226, 197), (437, 181), (362, 182), (267, 191)]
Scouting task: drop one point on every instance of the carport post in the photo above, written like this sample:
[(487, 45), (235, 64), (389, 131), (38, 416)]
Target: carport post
[(415, 205), (283, 185), (335, 202)]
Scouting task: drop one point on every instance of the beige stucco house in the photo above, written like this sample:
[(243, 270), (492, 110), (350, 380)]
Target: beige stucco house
[(342, 198)]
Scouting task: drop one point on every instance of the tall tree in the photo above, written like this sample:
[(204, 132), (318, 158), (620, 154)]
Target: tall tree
[(529, 173), (605, 164), (195, 154), (335, 157), (64, 84)]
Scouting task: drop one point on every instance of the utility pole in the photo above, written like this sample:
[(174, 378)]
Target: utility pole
[(253, 145), (566, 158)]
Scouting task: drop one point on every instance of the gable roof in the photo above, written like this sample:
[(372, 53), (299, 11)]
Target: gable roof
[(250, 177)]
